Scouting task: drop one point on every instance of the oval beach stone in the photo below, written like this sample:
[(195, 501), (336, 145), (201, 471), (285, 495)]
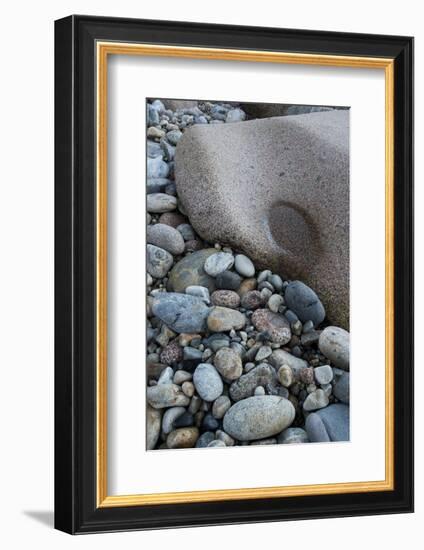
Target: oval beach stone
[(160, 202), (244, 266), (165, 237), (258, 417), (334, 344), (223, 319), (207, 382), (304, 302), (228, 363)]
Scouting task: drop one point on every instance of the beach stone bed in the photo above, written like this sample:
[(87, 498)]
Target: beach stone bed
[(236, 355)]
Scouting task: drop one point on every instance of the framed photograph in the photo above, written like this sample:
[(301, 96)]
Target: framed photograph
[(234, 286)]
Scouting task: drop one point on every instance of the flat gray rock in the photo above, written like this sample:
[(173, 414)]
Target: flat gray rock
[(181, 312), (166, 395), (329, 424), (158, 203), (278, 190)]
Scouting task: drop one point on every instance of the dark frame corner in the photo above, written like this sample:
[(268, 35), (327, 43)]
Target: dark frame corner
[(75, 275)]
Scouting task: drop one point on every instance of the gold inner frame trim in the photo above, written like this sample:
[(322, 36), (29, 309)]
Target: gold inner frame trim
[(103, 50)]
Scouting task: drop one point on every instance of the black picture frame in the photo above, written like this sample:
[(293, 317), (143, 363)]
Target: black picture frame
[(76, 510)]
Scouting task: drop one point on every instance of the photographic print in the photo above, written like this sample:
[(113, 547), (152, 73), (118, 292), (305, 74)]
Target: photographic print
[(247, 265)]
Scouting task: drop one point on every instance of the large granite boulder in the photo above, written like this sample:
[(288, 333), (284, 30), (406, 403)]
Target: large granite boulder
[(267, 110), (276, 189), (175, 104)]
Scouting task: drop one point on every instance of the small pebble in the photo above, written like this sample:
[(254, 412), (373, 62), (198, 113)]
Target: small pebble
[(228, 280), (216, 443), (218, 263), (205, 439), (323, 374), (184, 421), (188, 389), (208, 382), (315, 400), (182, 438), (210, 423), (274, 302), (285, 375), (221, 406), (263, 275), (244, 266), (263, 353)]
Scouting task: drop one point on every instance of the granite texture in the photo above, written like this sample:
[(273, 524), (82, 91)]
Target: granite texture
[(278, 191)]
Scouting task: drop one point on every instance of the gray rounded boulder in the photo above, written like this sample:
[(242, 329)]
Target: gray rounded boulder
[(288, 179)]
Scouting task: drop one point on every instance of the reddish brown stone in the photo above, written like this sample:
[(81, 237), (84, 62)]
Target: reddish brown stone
[(306, 375), (193, 245), (252, 299), (171, 354), (174, 219), (225, 298), (275, 325)]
